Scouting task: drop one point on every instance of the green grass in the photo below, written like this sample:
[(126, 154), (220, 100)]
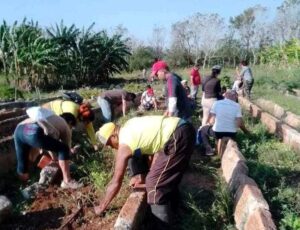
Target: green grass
[(276, 169), (273, 83), (206, 208)]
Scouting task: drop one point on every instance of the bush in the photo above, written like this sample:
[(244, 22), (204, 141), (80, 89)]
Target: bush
[(7, 92)]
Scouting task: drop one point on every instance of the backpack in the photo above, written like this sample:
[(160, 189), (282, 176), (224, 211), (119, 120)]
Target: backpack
[(72, 96)]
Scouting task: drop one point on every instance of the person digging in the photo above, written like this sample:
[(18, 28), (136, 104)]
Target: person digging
[(169, 139), (51, 133)]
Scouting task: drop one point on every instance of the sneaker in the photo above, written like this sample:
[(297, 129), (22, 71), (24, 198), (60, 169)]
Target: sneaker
[(210, 152), (71, 184)]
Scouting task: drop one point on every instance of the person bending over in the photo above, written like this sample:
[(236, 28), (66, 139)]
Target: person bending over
[(171, 139), (83, 113), (51, 133), (114, 98)]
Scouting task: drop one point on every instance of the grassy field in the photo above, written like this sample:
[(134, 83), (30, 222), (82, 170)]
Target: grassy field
[(270, 83), (273, 166), (273, 84)]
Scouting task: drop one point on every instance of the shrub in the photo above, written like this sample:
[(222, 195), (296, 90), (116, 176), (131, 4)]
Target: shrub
[(7, 92)]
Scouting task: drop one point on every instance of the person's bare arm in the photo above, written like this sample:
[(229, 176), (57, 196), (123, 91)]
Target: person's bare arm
[(155, 103), (192, 79), (237, 71), (124, 105), (211, 118), (123, 154), (241, 125)]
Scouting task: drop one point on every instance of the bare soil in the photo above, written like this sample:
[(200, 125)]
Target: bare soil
[(54, 206)]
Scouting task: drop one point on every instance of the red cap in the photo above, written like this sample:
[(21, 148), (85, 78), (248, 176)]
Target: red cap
[(150, 92), (158, 66)]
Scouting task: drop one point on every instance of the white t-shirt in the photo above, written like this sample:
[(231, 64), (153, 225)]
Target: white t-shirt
[(226, 111)]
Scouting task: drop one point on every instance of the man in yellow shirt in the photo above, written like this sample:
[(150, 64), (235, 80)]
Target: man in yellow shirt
[(81, 112), (171, 138)]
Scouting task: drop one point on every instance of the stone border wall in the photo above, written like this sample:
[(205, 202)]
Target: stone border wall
[(279, 127), (132, 212), (25, 104), (280, 113), (251, 210), (11, 113)]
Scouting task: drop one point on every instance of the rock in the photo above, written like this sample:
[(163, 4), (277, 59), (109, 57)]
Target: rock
[(31, 191), (5, 207), (48, 174)]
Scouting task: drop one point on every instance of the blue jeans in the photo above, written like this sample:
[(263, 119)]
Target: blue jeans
[(105, 108), (31, 135)]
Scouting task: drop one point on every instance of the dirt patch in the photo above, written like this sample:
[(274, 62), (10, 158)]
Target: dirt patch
[(54, 206)]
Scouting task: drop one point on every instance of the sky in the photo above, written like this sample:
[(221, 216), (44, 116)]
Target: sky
[(138, 16)]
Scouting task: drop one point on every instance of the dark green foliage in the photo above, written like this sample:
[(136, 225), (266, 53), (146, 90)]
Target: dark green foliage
[(141, 58), (61, 56), (7, 92), (226, 82)]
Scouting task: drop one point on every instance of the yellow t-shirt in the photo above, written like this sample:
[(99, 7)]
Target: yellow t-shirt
[(147, 135), (60, 106)]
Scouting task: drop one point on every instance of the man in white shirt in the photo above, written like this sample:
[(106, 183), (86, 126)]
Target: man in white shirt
[(224, 119)]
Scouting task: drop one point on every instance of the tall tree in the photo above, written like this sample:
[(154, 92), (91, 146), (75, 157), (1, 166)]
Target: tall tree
[(158, 40)]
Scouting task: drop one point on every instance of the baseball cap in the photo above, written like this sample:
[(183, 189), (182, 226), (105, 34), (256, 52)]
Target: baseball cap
[(158, 66), (105, 132), (150, 92)]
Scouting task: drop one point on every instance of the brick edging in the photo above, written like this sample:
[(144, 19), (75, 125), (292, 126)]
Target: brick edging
[(289, 135), (251, 210), (132, 212)]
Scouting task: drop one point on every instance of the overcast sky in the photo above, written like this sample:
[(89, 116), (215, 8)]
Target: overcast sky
[(138, 16)]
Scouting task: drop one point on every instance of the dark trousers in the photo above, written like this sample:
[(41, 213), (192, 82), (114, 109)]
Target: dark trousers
[(31, 135), (171, 162), (138, 165), (247, 88), (207, 132)]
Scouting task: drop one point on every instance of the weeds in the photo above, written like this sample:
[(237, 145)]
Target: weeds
[(276, 169), (207, 209)]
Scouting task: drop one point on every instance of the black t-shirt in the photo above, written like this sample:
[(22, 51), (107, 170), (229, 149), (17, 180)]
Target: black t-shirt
[(211, 86)]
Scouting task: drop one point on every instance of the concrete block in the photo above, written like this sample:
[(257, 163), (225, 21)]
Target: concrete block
[(247, 199), (255, 111), (291, 137), (233, 166), (271, 107), (292, 120), (260, 219), (133, 211), (5, 208), (245, 103), (270, 122)]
